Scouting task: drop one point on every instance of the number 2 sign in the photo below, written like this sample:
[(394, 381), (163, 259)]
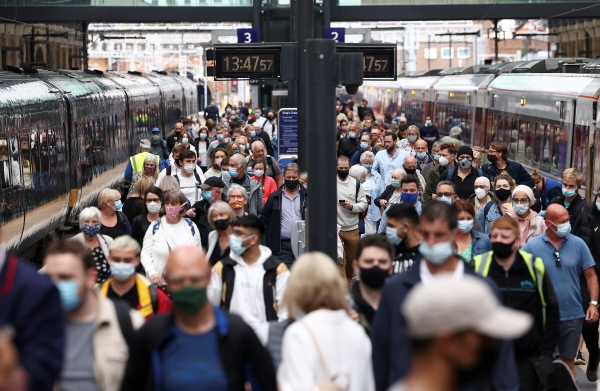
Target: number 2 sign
[(247, 35), (338, 34)]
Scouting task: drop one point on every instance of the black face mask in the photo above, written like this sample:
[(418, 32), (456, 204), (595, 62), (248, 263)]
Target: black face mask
[(291, 185), (502, 250), (503, 194), (409, 171), (374, 277), (343, 173), (221, 225), (492, 158)]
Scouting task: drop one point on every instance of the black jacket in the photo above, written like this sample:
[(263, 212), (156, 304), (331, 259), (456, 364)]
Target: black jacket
[(386, 195), (464, 187), (271, 217), (514, 169), (519, 291), (265, 139), (586, 227), (211, 112), (201, 220), (349, 146), (365, 312), (239, 348), (574, 209)]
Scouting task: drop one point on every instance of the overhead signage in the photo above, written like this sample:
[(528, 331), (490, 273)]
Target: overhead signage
[(288, 131), (247, 35), (338, 34), (379, 60), (248, 63)]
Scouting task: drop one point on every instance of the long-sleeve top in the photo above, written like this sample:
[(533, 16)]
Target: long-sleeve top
[(385, 164), (346, 190)]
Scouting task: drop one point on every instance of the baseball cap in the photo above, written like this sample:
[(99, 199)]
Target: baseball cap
[(457, 305), (155, 130), (211, 182)]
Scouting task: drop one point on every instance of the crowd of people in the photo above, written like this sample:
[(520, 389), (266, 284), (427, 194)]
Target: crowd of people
[(480, 273)]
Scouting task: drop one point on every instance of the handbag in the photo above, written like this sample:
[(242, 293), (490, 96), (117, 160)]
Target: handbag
[(327, 385)]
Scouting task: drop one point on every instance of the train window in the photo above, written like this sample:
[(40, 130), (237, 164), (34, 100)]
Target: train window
[(467, 126), (499, 132), (5, 164), (580, 149), (526, 126), (558, 148), (546, 156), (492, 129), (507, 131), (537, 144)]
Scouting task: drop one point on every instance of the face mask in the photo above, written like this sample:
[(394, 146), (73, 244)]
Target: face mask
[(443, 161), (409, 198), (364, 145), (502, 250), (194, 120), (520, 209), (503, 194), (392, 235), (291, 185), (492, 158), (343, 174), (259, 173), (189, 168), (221, 225), (90, 230), (598, 205), (395, 183), (236, 204), (436, 158), (249, 171), (368, 166), (428, 122), (203, 136), (447, 200), (153, 207), (218, 162), (465, 164), (410, 171), (219, 137), (233, 117), (235, 244), (463, 124), (212, 104), (172, 212), (155, 138), (421, 155), (242, 147), (69, 296), (184, 140), (189, 300), (374, 277), (118, 205), (257, 115), (344, 128), (233, 172), (569, 193), (225, 174), (207, 195), (351, 135), (438, 253), (465, 225), (148, 171), (270, 117), (178, 131), (253, 133), (228, 110), (563, 230), (412, 139), (480, 193), (236, 151), (122, 271)]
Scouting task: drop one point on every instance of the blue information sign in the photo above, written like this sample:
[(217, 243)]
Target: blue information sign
[(247, 35), (288, 132), (338, 34)]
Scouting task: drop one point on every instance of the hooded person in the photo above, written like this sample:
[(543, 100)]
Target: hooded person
[(531, 224)]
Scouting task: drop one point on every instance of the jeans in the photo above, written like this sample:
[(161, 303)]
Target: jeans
[(590, 330), (528, 378), (287, 255), (349, 241)]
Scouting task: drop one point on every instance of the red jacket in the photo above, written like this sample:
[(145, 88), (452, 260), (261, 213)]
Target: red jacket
[(270, 186)]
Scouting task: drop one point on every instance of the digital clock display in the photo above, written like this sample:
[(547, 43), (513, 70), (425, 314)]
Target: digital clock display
[(379, 61), (248, 63)]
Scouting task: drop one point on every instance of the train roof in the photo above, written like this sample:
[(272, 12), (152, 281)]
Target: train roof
[(419, 83), (548, 65), (559, 84), (470, 70), (463, 82)]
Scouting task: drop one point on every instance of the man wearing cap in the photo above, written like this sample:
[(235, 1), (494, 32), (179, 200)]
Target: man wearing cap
[(136, 162), (462, 174), (525, 286), (158, 146), (212, 191), (452, 326), (392, 351)]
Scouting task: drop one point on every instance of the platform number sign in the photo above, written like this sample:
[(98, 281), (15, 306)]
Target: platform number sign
[(247, 35), (338, 34)]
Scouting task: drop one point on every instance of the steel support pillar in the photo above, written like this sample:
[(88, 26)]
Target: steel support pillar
[(304, 26)]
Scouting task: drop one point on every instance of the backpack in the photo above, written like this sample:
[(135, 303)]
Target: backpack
[(125, 324)]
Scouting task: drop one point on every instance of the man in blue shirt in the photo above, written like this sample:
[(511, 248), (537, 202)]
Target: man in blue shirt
[(566, 257), (386, 162)]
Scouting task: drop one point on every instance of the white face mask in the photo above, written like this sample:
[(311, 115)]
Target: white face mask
[(153, 207), (480, 193), (189, 168), (443, 161), (259, 173)]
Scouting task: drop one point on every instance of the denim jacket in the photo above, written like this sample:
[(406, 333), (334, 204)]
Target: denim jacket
[(486, 221)]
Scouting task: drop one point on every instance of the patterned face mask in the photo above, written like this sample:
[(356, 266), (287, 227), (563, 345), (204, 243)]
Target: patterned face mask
[(236, 203)]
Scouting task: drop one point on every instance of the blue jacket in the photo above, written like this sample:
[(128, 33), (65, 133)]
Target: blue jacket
[(356, 157), (486, 220), (429, 131), (30, 303), (392, 352), (271, 217), (481, 244), (548, 192), (514, 169)]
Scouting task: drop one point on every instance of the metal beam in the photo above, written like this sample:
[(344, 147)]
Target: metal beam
[(375, 13), (43, 14)]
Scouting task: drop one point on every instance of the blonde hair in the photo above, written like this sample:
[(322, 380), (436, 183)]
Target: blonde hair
[(573, 173), (152, 159), (169, 183), (140, 186), (304, 177), (505, 176), (413, 128), (107, 195), (220, 207), (125, 242), (308, 291)]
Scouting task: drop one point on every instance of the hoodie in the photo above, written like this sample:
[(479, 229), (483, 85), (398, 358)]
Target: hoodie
[(247, 297), (530, 227)]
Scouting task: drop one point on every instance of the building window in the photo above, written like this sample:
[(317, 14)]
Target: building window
[(464, 52), (430, 54), (447, 52)]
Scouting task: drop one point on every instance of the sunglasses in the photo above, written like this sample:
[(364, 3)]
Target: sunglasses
[(557, 256)]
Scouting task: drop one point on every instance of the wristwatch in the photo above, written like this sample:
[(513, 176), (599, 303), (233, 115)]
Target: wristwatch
[(594, 303)]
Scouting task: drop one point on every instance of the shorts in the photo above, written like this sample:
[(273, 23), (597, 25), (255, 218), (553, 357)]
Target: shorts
[(568, 337)]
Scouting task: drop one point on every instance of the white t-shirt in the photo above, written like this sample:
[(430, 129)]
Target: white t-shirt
[(202, 153), (179, 234), (188, 186)]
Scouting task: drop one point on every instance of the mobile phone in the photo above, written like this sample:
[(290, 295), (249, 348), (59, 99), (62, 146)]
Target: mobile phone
[(341, 201)]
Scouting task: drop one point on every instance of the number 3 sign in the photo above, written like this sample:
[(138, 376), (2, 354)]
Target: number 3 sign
[(247, 35)]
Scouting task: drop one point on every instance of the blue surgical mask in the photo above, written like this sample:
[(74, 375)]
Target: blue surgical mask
[(118, 205), (207, 195), (253, 133), (520, 209), (364, 145), (438, 253), (203, 136), (219, 137), (69, 295), (351, 135), (563, 230), (257, 115), (233, 172), (392, 235), (235, 244), (409, 198), (185, 140), (395, 183), (447, 200), (598, 205), (228, 110), (568, 193), (421, 155), (225, 174), (194, 120), (90, 230), (249, 171), (436, 158), (368, 166), (122, 271), (428, 122), (465, 225)]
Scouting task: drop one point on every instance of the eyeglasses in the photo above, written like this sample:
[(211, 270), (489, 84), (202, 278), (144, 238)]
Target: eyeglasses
[(522, 201), (557, 256), (446, 194), (480, 186)]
